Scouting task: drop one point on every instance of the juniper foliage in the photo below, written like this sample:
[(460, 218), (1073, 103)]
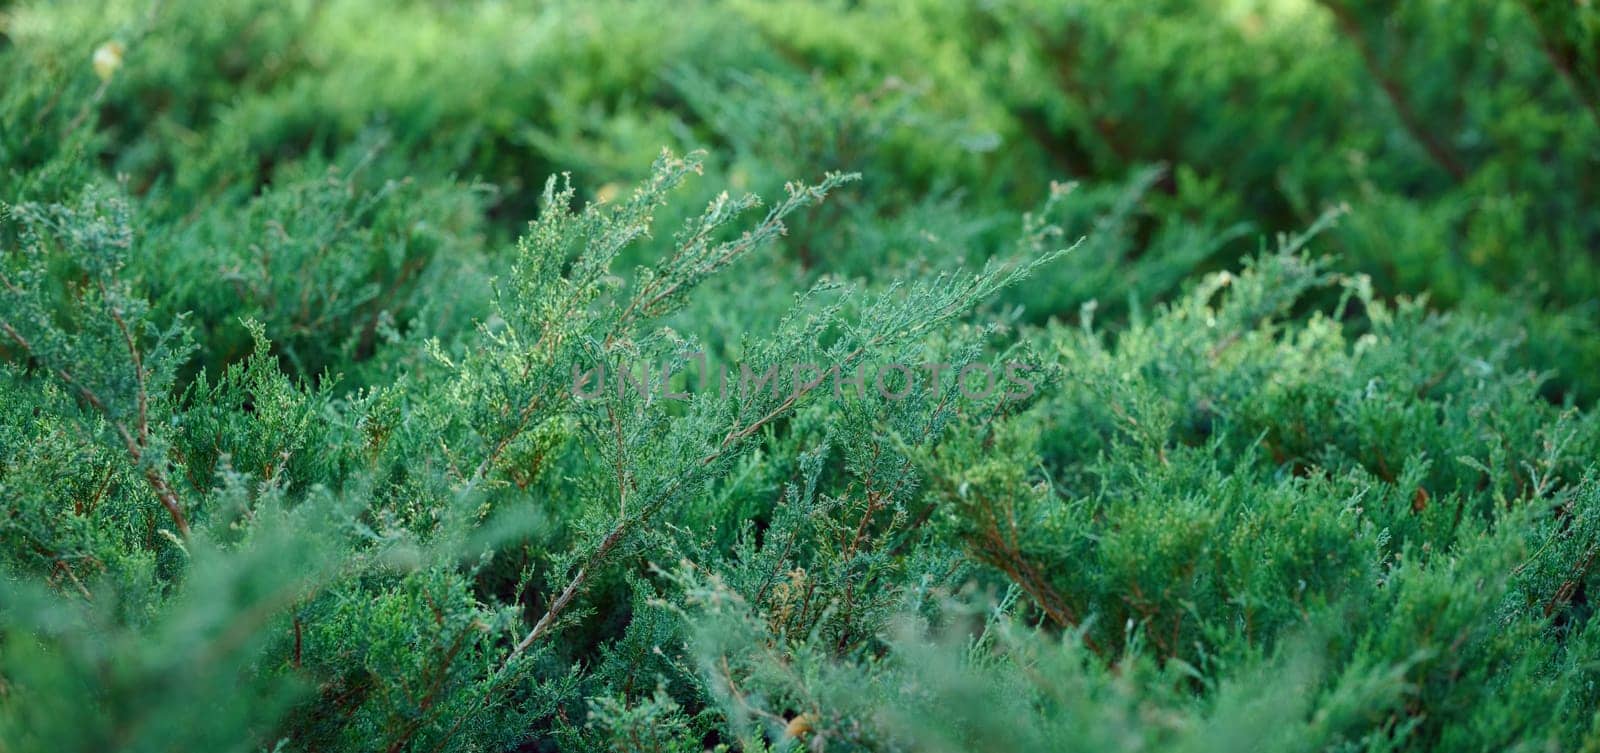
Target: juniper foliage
[(372, 379)]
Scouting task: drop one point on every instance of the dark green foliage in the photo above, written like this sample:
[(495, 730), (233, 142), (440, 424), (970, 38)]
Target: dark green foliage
[(305, 443)]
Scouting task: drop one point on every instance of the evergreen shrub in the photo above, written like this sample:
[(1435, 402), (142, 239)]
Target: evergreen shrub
[(1284, 316)]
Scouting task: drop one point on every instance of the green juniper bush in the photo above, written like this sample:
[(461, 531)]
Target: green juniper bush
[(775, 375)]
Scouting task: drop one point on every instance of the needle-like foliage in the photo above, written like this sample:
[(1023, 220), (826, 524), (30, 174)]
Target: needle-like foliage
[(892, 375)]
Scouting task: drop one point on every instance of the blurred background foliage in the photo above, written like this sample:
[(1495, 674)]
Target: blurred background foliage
[(1462, 136)]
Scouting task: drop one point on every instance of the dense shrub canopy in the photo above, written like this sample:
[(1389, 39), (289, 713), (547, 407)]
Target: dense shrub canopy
[(894, 375)]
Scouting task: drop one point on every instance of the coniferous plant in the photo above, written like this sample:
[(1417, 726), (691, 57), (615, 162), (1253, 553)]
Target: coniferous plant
[(1185, 375)]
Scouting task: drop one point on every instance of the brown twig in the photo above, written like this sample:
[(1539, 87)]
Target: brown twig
[(1395, 93), (135, 441), (1564, 57)]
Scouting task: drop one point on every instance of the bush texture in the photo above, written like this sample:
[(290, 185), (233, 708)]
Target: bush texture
[(303, 307)]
